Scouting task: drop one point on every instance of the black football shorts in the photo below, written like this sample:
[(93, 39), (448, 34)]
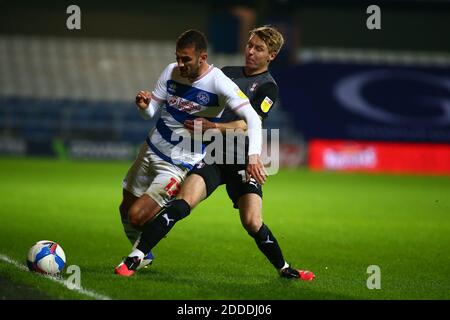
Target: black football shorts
[(232, 175)]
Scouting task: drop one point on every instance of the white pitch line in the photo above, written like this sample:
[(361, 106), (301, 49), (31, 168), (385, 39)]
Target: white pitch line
[(64, 283)]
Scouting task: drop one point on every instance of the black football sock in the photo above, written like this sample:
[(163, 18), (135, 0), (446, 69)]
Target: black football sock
[(268, 245), (154, 230)]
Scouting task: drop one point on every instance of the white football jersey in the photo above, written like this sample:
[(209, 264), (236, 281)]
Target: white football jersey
[(181, 100)]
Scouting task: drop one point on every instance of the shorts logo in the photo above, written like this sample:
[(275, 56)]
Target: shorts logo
[(266, 104), (202, 98), (200, 165), (253, 182)]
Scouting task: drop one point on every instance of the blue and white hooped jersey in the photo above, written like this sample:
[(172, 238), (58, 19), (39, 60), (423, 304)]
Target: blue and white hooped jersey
[(181, 100)]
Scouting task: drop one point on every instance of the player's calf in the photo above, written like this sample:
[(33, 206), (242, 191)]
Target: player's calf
[(142, 211), (268, 245), (153, 232)]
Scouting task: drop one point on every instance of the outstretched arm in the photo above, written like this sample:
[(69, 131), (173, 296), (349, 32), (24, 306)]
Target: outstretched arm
[(252, 121), (238, 102), (147, 105), (255, 167)]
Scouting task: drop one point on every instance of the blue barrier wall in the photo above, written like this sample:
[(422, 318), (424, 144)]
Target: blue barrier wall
[(368, 101)]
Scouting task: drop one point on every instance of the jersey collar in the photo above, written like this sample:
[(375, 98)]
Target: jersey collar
[(253, 75), (211, 66)]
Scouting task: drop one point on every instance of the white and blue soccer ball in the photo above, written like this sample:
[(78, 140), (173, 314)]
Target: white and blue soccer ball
[(46, 257)]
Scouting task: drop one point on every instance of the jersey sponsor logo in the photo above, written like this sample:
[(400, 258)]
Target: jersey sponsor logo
[(266, 104), (241, 94), (202, 98), (188, 106), (183, 104), (193, 94), (172, 100)]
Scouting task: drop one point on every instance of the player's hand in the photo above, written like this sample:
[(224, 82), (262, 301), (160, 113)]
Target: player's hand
[(255, 169), (205, 124), (143, 99)]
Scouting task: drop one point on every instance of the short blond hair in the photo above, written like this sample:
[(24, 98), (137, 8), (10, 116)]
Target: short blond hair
[(272, 37)]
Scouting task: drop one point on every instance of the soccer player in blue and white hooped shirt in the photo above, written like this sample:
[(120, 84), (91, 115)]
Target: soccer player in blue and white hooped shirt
[(254, 78), (186, 90)]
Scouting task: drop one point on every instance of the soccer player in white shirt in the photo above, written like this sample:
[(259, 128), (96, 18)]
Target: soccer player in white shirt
[(186, 90)]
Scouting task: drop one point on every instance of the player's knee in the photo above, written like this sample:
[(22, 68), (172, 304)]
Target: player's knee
[(252, 225), (127, 201), (137, 216)]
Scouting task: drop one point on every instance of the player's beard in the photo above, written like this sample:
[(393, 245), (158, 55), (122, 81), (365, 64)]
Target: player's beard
[(184, 72), (193, 73)]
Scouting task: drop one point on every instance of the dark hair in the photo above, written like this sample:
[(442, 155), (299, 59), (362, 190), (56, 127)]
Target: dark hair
[(192, 37)]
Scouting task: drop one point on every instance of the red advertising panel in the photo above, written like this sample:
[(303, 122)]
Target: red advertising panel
[(379, 156)]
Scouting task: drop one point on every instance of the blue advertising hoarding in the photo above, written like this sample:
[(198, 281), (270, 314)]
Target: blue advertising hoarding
[(367, 101)]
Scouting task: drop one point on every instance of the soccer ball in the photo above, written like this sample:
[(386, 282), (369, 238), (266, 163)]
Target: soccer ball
[(46, 257)]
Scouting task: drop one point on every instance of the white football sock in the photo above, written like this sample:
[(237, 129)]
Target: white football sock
[(137, 253)]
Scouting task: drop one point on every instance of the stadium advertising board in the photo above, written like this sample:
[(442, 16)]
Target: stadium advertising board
[(379, 156), (399, 116), (368, 102)]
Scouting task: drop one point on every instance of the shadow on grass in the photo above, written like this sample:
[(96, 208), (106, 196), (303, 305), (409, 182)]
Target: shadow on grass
[(11, 290), (158, 282), (255, 288)]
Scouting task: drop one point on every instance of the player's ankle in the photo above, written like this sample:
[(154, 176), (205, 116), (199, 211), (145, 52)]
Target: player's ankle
[(137, 253)]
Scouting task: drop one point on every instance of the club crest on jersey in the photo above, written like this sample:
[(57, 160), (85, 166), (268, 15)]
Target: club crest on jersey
[(202, 98), (266, 104)]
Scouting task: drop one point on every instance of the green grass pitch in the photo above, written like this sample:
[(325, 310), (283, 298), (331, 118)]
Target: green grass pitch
[(334, 224)]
